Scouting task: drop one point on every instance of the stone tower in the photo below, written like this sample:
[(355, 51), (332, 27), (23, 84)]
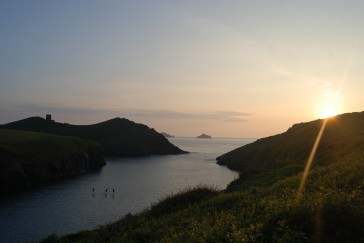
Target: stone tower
[(49, 117)]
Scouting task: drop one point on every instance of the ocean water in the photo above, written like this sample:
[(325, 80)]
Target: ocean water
[(71, 205)]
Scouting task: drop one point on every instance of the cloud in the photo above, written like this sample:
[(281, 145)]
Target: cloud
[(230, 116), (78, 113)]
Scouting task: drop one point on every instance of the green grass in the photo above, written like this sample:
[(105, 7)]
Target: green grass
[(262, 205), (22, 143), (29, 158), (250, 179), (118, 137), (343, 134), (331, 210), (37, 146)]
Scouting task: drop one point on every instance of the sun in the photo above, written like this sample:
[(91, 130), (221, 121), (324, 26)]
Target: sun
[(328, 111), (329, 105)]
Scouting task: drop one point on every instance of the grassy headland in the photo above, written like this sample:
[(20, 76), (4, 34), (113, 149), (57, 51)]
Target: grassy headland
[(28, 159), (343, 134), (118, 136), (262, 205)]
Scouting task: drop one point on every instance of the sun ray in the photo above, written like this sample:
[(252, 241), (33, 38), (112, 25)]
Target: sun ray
[(329, 111), (309, 162)]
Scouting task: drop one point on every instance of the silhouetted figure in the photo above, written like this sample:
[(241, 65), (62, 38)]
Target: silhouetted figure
[(106, 190), (113, 190), (93, 189)]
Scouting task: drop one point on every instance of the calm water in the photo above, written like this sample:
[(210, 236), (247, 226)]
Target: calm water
[(69, 206)]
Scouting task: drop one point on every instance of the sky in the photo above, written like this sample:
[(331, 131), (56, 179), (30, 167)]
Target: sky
[(224, 68)]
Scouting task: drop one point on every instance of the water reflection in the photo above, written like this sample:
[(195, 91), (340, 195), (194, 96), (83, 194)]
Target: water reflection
[(120, 187)]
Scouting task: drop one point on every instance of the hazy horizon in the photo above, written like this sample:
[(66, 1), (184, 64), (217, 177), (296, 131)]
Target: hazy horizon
[(228, 69)]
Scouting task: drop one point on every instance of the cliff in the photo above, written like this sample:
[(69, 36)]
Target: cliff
[(343, 133), (264, 206), (28, 159), (118, 137)]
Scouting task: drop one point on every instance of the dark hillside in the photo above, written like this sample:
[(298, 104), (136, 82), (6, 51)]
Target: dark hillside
[(265, 203), (118, 136), (28, 159), (331, 210), (343, 133)]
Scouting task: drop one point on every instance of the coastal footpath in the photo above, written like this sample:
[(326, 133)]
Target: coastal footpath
[(30, 159)]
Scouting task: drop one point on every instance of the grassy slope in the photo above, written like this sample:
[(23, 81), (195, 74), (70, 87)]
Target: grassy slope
[(332, 210), (262, 207), (118, 137), (343, 134), (29, 158)]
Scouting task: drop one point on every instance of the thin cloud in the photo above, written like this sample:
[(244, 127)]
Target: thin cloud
[(231, 116), (60, 110)]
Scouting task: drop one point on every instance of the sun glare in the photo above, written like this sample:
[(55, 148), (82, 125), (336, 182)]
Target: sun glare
[(329, 112), (329, 105)]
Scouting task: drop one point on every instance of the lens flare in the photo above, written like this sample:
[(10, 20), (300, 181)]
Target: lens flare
[(309, 162), (329, 111)]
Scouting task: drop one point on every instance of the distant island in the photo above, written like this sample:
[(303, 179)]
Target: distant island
[(118, 137), (35, 150), (204, 136), (263, 204), (166, 135)]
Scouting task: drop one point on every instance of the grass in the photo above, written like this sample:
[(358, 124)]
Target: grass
[(118, 137), (29, 158), (332, 210), (262, 205), (38, 145), (343, 134)]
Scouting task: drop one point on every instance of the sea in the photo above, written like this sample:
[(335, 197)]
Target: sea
[(124, 185)]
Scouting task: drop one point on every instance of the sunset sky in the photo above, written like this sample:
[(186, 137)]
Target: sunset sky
[(224, 68)]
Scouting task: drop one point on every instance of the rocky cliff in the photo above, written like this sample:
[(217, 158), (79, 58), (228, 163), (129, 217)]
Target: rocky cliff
[(28, 159)]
